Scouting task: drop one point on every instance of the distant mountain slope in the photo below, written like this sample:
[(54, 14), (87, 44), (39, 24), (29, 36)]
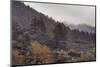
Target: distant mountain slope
[(83, 27)]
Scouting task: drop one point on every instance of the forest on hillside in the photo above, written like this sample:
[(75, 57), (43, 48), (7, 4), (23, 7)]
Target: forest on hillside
[(39, 39)]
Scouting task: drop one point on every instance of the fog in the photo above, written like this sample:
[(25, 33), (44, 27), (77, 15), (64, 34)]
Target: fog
[(67, 14)]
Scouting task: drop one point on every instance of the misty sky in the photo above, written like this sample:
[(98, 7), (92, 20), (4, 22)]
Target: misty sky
[(68, 14)]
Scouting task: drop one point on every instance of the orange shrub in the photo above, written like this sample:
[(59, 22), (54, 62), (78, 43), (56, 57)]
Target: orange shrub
[(17, 57), (40, 53)]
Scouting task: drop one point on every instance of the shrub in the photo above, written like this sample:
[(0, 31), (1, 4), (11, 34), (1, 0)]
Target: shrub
[(40, 53), (89, 55), (74, 53), (17, 57), (61, 56)]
